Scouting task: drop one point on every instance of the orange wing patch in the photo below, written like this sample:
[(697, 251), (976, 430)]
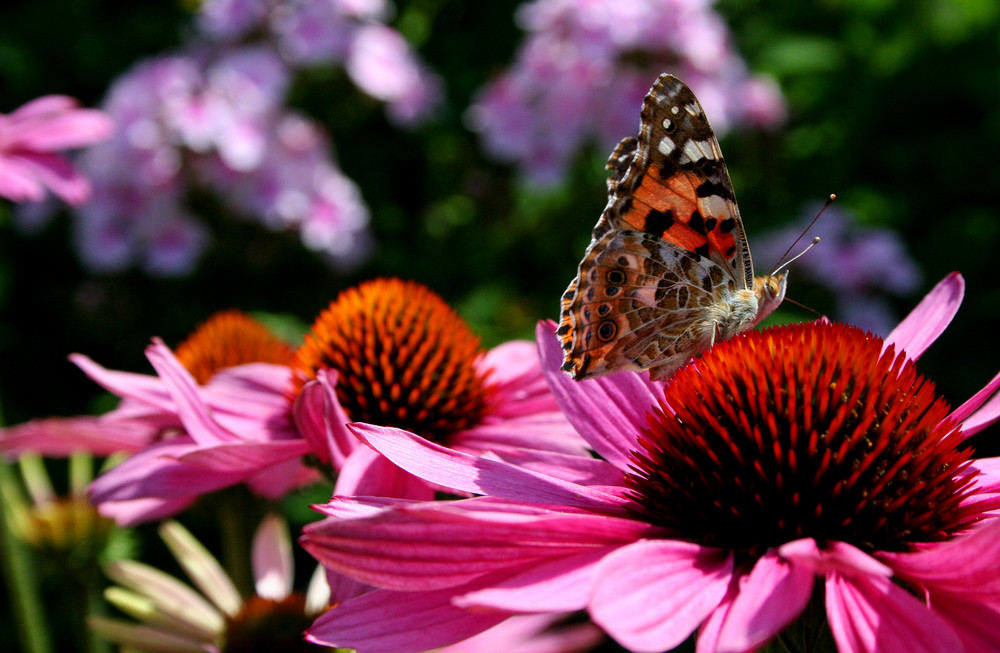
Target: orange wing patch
[(672, 210)]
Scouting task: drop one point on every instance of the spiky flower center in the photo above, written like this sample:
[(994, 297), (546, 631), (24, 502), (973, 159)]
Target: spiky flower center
[(403, 357), (806, 430), (228, 339), (265, 625)]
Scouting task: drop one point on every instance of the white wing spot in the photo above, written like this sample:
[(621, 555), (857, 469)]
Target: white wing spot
[(675, 110), (667, 124), (693, 109), (695, 150), (666, 146), (715, 206)]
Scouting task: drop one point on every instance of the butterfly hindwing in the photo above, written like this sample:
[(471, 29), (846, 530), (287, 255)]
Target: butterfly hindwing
[(637, 304)]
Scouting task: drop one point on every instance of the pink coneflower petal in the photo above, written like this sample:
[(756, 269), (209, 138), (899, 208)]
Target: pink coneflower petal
[(562, 585), (977, 625), (367, 473), (154, 472), (578, 469), (403, 545), (63, 436), (651, 595), (147, 389), (239, 457), (610, 412), (967, 566), (322, 421), (183, 390), (17, 183), (977, 413), (770, 597), (871, 614), (130, 512), (930, 318), (466, 473), (426, 620), (42, 106), (52, 171), (62, 131)]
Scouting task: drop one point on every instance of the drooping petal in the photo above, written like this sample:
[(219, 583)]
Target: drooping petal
[(56, 173), (273, 568), (384, 621), (465, 473), (183, 389), (430, 545), (651, 595), (144, 388), (835, 556), (977, 624), (61, 436), (562, 585), (244, 458), (578, 469), (774, 594), (534, 633), (369, 473), (322, 421), (17, 183), (132, 512), (547, 431), (63, 129), (610, 411), (930, 318), (155, 472), (967, 565), (871, 614)]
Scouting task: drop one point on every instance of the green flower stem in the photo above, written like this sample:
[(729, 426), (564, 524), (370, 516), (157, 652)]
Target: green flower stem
[(237, 517), (21, 580)]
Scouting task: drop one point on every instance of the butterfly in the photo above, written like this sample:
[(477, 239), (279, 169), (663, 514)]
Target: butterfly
[(668, 272)]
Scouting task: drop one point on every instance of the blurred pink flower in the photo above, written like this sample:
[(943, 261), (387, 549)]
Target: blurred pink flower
[(211, 121), (383, 65), (584, 68), (726, 496), (30, 139), (352, 33)]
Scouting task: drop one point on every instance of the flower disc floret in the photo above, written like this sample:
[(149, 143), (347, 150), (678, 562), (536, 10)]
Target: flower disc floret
[(228, 339), (802, 431), (403, 358)]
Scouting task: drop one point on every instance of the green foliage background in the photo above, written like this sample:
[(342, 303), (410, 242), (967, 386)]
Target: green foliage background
[(893, 107)]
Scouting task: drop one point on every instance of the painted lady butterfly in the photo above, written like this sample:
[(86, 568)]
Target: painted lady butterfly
[(668, 271)]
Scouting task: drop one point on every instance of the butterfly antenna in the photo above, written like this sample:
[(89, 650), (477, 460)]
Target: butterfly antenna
[(792, 260), (780, 265)]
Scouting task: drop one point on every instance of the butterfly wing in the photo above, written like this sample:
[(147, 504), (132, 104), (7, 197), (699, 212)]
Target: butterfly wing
[(682, 244), (642, 306)]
